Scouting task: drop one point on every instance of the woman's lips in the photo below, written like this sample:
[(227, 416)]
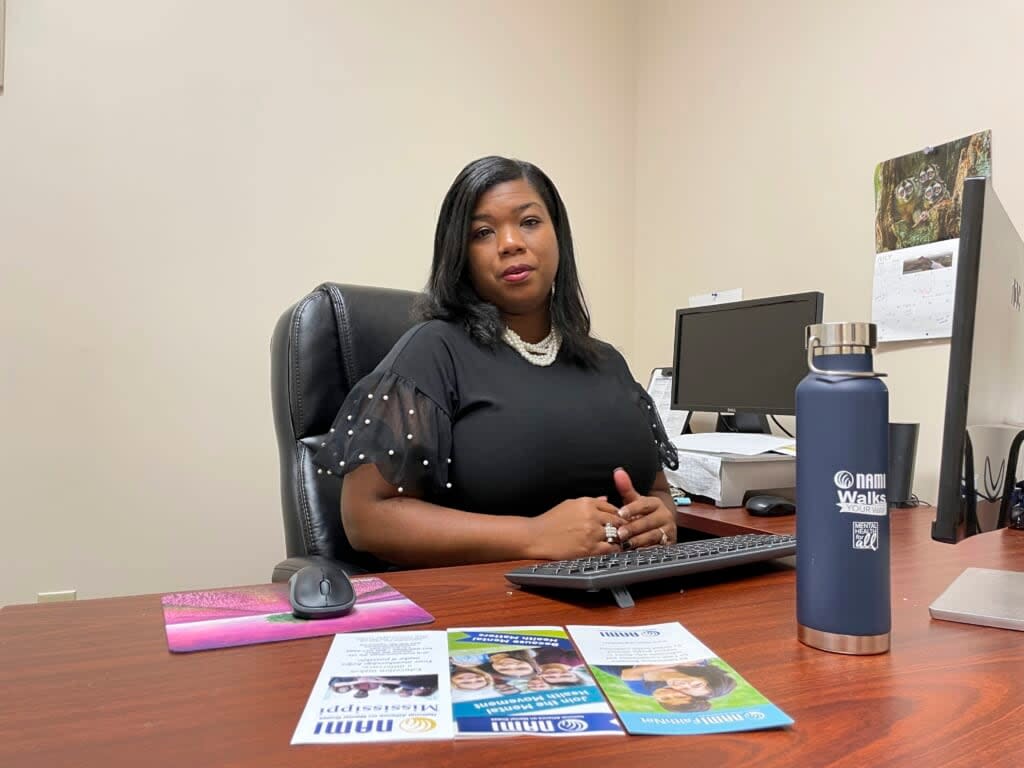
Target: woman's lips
[(516, 274)]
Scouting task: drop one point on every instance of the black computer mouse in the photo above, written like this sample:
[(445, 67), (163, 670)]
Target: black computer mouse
[(321, 592), (770, 506)]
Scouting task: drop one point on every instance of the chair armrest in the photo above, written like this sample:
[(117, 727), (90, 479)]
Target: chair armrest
[(284, 570)]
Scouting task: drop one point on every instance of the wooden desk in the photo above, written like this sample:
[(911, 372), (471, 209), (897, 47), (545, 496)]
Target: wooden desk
[(730, 521), (92, 683)]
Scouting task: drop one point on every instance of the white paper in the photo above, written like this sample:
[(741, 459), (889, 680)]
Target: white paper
[(913, 292), (737, 443), (698, 474), (717, 297), (388, 686), (652, 644), (660, 390)]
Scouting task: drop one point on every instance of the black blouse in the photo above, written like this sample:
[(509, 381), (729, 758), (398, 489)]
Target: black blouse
[(483, 430)]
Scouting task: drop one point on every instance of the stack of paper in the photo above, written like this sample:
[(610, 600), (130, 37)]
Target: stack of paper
[(701, 458), (737, 443)]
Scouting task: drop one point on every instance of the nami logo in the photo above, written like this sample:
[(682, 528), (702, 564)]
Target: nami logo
[(858, 493), (572, 724), (629, 633), (417, 724)]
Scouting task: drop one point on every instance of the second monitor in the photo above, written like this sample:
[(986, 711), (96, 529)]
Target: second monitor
[(743, 360)]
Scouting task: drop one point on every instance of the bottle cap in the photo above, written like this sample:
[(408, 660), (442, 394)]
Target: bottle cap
[(841, 335), (840, 339)]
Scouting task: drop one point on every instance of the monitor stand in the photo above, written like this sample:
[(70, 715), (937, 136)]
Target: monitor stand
[(743, 422)]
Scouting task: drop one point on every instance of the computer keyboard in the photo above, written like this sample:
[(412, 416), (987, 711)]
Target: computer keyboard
[(617, 571)]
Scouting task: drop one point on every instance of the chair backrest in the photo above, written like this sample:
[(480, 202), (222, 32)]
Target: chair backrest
[(321, 347)]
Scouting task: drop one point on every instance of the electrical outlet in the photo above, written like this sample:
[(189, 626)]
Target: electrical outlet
[(56, 597)]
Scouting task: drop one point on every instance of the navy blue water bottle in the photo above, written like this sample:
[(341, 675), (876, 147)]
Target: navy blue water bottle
[(842, 522)]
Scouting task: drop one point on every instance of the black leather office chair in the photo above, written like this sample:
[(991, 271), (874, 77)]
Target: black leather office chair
[(321, 346)]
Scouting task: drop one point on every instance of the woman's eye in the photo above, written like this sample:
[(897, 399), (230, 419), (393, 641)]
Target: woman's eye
[(531, 222), (481, 233)]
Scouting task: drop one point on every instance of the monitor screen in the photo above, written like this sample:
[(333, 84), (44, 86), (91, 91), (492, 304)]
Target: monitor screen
[(985, 385), (746, 356)]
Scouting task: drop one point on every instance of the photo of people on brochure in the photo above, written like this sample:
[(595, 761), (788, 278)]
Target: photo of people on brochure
[(528, 680), (477, 676), (686, 687), (375, 687)]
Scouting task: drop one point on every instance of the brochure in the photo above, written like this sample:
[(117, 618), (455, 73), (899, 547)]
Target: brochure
[(523, 680), (380, 686), (660, 679), (222, 618)]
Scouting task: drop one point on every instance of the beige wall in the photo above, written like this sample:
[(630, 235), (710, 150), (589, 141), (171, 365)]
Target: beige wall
[(758, 129), (174, 174)]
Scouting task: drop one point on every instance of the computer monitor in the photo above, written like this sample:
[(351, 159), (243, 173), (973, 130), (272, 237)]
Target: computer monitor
[(743, 360), (984, 419)]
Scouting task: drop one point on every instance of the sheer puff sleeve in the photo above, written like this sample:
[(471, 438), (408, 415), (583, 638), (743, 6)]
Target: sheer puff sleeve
[(388, 421), (666, 450)]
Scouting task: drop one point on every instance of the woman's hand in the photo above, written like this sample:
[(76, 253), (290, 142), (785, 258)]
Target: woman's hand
[(648, 521), (575, 528)]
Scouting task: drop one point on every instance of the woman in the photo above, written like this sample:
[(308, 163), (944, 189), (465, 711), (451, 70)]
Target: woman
[(693, 679), (471, 680), (340, 684), (563, 674), (511, 664), (677, 701), (499, 428), (471, 684)]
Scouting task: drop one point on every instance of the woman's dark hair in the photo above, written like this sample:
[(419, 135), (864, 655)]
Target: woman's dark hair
[(450, 294)]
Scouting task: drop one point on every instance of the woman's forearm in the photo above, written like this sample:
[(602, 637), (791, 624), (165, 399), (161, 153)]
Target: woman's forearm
[(412, 532)]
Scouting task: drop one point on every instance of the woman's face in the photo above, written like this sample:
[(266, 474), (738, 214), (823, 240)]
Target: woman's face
[(513, 250), (469, 681), (558, 674), (694, 686), (511, 666), (671, 697)]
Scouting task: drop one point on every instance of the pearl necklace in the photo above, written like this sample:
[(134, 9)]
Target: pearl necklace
[(542, 353)]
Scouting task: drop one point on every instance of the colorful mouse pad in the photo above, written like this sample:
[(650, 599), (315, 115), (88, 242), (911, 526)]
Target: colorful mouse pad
[(222, 618)]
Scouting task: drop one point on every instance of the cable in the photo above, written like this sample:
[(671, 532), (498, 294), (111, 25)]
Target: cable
[(725, 423), (785, 431)]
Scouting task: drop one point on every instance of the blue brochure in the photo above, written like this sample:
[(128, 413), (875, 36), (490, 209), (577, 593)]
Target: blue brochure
[(523, 681), (661, 680)]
